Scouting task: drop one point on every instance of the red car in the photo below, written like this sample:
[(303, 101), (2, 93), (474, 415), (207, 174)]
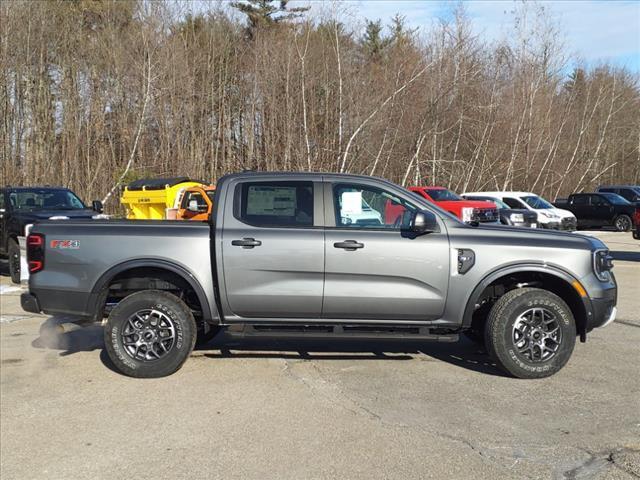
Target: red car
[(465, 210)]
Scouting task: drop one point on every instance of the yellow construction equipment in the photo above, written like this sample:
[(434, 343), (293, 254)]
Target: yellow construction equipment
[(155, 198)]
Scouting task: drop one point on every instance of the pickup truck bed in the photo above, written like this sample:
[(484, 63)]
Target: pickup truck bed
[(282, 254)]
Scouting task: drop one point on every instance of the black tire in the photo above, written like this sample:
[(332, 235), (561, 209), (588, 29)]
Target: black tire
[(170, 314), (510, 311), (623, 223), (14, 260)]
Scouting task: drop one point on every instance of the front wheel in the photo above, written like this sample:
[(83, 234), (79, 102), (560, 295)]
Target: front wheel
[(530, 333), (623, 223), (150, 334), (14, 260)]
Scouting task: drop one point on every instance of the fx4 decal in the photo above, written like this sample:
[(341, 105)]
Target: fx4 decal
[(65, 244)]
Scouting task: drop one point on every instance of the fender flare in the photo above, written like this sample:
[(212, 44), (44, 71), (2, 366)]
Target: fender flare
[(522, 268), (99, 289)]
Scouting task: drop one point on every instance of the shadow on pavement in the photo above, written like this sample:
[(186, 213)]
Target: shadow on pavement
[(626, 256), (463, 354), (57, 333)]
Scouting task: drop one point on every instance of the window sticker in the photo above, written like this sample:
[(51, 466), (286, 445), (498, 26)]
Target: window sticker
[(351, 203), (278, 201)]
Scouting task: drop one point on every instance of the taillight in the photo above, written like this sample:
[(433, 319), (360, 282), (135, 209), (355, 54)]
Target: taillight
[(35, 252)]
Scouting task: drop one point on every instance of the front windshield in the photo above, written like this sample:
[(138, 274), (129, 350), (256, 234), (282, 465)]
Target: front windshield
[(442, 195), (616, 199), (536, 202), (45, 199), (499, 203)]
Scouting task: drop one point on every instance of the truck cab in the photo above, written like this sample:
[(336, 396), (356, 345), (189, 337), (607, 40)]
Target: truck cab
[(196, 203), (465, 210)]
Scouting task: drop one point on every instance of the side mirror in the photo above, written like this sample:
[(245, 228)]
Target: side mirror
[(193, 206), (97, 206), (423, 222)]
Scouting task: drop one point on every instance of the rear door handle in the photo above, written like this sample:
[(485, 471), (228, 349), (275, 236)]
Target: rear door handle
[(349, 245), (246, 243)]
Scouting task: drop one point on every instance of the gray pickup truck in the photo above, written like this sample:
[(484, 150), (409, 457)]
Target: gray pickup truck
[(296, 254)]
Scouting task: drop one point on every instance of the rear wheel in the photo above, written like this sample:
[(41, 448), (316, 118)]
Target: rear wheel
[(150, 334), (623, 223), (14, 260), (530, 333)]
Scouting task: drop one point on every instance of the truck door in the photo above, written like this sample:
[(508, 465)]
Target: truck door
[(373, 268), (601, 211), (579, 206), (273, 249)]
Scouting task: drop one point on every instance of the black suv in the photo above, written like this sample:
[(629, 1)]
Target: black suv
[(631, 193), (21, 206)]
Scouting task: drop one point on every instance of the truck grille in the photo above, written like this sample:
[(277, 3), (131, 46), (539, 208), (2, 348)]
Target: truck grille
[(569, 224), (484, 215)]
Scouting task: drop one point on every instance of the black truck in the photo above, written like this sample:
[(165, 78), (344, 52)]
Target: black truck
[(21, 206), (600, 210)]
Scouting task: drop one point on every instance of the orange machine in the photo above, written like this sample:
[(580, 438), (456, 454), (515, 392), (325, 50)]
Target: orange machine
[(196, 203)]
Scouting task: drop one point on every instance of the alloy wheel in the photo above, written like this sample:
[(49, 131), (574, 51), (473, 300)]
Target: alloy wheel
[(148, 335), (537, 335)]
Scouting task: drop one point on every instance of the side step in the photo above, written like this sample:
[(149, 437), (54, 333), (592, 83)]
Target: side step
[(344, 331)]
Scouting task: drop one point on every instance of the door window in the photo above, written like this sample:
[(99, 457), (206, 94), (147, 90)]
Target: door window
[(580, 200), (197, 196), (598, 201), (275, 204), (514, 203), (361, 206), (629, 194)]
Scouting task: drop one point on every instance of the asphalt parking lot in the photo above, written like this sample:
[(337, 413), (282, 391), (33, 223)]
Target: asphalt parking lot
[(273, 410)]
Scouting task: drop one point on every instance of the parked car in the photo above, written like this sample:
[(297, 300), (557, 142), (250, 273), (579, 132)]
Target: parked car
[(601, 210), (636, 219), (272, 263), (516, 217), (548, 215), (21, 206), (465, 210), (631, 193)]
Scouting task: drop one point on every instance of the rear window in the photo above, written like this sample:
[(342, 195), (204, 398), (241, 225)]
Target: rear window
[(442, 195), (275, 204)]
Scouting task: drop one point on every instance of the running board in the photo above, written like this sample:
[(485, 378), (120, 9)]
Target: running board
[(344, 331)]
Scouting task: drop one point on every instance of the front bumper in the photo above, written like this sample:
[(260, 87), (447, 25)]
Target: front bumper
[(603, 310), (569, 223)]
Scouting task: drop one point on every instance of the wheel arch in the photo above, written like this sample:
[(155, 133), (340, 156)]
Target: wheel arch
[(101, 287), (554, 279)]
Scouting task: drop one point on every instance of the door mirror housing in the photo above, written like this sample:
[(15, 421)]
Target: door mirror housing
[(424, 221), (193, 206), (97, 206)]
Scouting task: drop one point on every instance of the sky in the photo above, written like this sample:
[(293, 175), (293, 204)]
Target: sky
[(595, 30)]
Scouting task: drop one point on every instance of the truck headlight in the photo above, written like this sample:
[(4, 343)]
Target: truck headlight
[(467, 214), (602, 264), (517, 217)]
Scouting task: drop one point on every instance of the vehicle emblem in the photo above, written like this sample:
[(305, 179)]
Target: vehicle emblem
[(65, 244)]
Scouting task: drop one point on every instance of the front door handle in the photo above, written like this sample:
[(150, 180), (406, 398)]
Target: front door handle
[(246, 243), (349, 245)]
